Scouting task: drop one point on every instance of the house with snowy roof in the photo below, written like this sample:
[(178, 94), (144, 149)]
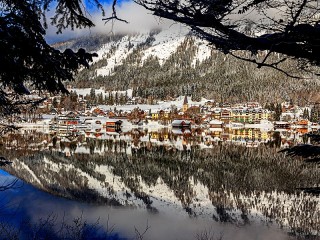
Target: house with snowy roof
[(181, 123)]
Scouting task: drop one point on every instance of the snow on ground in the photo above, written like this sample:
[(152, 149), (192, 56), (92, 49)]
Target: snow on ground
[(163, 198), (116, 52), (82, 149), (163, 105), (165, 44), (17, 163), (81, 91), (86, 91), (201, 203), (203, 51), (116, 188)]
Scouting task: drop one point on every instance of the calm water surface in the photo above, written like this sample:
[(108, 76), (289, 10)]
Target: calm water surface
[(176, 186)]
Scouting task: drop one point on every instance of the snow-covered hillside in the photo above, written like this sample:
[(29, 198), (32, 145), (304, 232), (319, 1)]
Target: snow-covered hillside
[(160, 44), (173, 61)]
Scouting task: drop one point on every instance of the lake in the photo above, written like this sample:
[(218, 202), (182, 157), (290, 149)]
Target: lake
[(179, 186)]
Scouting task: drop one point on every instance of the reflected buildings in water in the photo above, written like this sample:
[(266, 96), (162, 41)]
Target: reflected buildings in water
[(115, 140), (170, 138), (183, 171)]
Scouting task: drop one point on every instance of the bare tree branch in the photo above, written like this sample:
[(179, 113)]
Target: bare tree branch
[(11, 185), (114, 15), (286, 27), (272, 65), (140, 236)]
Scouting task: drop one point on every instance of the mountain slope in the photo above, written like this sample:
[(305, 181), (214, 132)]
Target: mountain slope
[(172, 62)]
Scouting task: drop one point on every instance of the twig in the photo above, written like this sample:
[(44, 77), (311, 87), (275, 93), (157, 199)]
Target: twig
[(10, 185), (274, 66), (139, 235), (114, 14)]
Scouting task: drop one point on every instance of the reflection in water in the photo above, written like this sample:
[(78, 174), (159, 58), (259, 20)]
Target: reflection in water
[(173, 172), (135, 138), (29, 203)]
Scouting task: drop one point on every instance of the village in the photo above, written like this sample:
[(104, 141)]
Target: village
[(85, 112)]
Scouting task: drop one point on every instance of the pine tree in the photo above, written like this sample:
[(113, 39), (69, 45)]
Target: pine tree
[(277, 112), (92, 96), (306, 114), (27, 60), (55, 102), (116, 98), (314, 115), (100, 99)]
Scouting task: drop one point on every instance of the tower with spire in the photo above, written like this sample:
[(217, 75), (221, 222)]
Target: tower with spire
[(185, 104)]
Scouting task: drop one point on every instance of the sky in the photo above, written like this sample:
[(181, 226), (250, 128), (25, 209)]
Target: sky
[(140, 20)]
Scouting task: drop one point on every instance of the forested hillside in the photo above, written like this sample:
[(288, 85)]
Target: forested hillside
[(163, 64)]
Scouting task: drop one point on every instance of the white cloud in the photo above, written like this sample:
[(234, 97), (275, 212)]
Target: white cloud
[(140, 20)]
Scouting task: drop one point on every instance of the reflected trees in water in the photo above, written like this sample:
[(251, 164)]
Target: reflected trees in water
[(241, 184)]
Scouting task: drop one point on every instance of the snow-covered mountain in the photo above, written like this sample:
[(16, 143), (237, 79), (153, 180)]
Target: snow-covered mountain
[(159, 44), (172, 62), (156, 44)]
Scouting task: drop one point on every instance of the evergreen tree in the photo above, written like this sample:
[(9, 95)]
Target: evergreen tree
[(116, 98), (55, 102), (100, 98), (315, 113), (92, 96), (277, 112), (27, 60), (306, 114), (122, 99), (73, 97), (110, 99)]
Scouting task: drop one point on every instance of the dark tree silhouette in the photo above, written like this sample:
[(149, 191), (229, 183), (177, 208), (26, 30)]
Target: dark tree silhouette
[(287, 27), (27, 61)]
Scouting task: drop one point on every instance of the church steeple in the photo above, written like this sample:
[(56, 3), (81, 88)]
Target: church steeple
[(185, 104), (185, 101)]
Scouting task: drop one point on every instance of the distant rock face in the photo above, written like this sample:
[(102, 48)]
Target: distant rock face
[(172, 62)]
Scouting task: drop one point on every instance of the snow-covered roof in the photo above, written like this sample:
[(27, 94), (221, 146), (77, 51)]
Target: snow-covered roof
[(180, 122), (214, 121)]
